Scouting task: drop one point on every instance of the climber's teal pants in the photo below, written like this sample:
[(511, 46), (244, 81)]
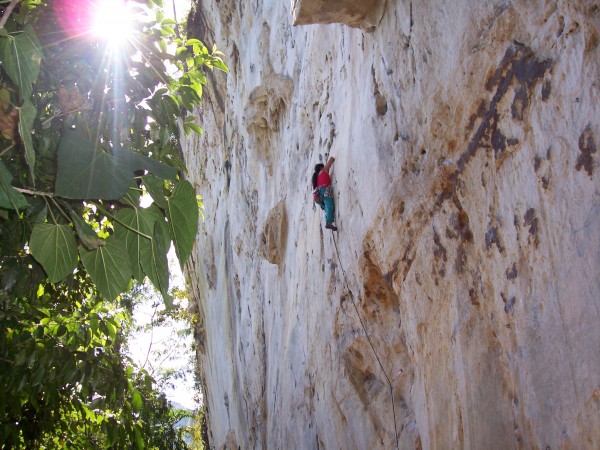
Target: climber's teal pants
[(328, 205)]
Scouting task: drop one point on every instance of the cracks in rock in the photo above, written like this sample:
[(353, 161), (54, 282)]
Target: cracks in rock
[(409, 42), (410, 30)]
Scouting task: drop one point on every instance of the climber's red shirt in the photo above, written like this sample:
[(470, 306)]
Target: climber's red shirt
[(323, 180)]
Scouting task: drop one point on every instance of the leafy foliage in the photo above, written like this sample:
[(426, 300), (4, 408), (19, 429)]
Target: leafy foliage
[(101, 128), (54, 246), (85, 133)]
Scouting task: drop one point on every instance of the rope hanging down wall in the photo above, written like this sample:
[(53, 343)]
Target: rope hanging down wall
[(369, 340)]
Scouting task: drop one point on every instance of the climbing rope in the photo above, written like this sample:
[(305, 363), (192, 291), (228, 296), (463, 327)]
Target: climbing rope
[(369, 340)]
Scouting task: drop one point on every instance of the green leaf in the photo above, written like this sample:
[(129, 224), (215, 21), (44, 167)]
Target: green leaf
[(155, 188), (27, 114), (10, 198), (111, 329), (85, 232), (193, 41), (21, 58), (220, 65), (132, 198), (195, 127), (137, 401), (139, 440), (86, 171), (54, 247), (130, 227), (154, 260), (108, 266), (182, 213)]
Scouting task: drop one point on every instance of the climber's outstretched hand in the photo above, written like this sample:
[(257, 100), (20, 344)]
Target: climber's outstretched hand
[(329, 163)]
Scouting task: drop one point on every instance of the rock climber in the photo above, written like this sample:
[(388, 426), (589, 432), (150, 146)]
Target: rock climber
[(323, 192)]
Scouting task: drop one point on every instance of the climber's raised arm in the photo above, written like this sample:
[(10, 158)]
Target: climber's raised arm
[(329, 163)]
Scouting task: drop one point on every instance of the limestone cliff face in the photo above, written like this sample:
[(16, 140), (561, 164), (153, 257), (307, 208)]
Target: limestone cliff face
[(468, 204)]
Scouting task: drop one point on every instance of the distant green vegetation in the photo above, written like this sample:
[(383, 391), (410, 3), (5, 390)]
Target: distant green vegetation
[(91, 199)]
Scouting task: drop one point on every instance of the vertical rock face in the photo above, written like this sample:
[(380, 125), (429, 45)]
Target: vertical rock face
[(458, 306)]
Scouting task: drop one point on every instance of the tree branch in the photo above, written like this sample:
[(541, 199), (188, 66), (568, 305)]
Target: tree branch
[(32, 192), (6, 149)]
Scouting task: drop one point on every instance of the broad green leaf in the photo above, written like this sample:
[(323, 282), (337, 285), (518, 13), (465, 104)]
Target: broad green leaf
[(54, 247), (108, 266), (27, 114), (21, 58), (132, 197), (10, 198), (182, 212), (86, 171), (130, 227), (155, 188), (154, 260), (37, 211), (86, 233)]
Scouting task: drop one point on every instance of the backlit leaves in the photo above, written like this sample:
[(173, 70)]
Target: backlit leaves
[(27, 115), (108, 266), (153, 259), (184, 225), (10, 198), (85, 232), (156, 189), (21, 57), (88, 171), (135, 227), (79, 142), (55, 249)]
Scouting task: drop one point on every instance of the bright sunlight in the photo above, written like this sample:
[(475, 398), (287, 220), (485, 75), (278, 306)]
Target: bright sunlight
[(112, 21)]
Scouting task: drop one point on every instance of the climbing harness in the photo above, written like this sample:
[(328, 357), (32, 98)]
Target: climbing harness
[(321, 192), (370, 342), (328, 192)]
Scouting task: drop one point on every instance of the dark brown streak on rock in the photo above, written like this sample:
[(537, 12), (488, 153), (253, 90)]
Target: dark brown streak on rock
[(518, 63), (512, 273), (520, 103), (487, 117), (587, 147), (531, 221), (506, 60), (407, 260), (492, 237), (546, 90)]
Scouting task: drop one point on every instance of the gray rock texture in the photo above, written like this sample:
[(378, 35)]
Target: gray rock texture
[(458, 306)]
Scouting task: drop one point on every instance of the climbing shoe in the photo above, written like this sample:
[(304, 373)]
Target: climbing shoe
[(331, 227)]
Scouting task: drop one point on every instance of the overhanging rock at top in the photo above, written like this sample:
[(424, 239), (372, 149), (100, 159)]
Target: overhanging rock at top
[(364, 14)]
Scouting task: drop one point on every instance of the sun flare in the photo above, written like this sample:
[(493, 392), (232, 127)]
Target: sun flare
[(112, 20)]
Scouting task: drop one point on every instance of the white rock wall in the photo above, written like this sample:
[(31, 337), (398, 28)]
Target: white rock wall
[(468, 202)]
